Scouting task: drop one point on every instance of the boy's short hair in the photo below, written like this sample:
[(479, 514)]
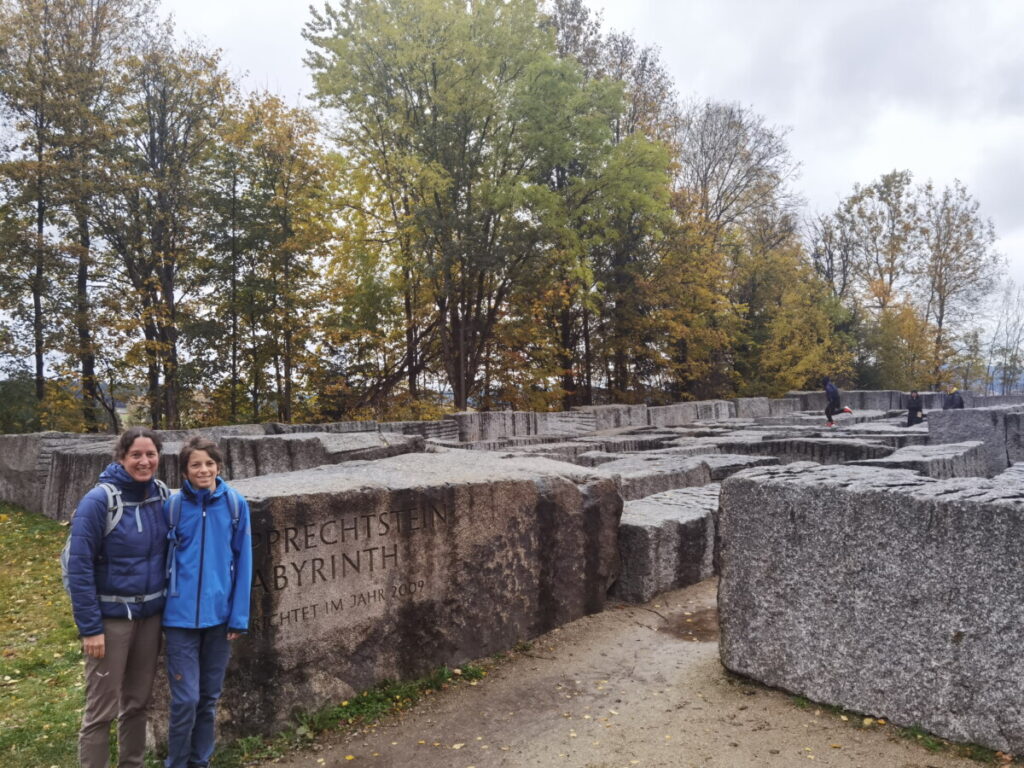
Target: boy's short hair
[(199, 443)]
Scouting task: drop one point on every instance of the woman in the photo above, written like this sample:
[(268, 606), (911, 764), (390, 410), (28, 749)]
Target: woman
[(915, 409), (208, 597), (116, 580)]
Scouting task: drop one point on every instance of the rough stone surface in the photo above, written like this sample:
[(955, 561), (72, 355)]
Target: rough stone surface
[(249, 457), (645, 474), (752, 407), (893, 432), (880, 591), (1012, 477), (825, 450), (1014, 436), (639, 475), (987, 425), (387, 569), (276, 428), (617, 416), (445, 429), (666, 541), (25, 465), (673, 415), (939, 461)]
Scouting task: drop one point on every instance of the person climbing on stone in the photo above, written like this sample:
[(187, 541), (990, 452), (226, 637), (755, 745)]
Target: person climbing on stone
[(953, 400), (915, 409), (833, 406)]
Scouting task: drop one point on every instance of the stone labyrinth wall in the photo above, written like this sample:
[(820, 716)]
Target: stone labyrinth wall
[(867, 565)]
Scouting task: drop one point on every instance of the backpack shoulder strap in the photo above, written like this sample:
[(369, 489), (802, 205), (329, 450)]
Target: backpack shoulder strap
[(233, 505), (173, 514), (115, 506), (162, 489), (174, 511)]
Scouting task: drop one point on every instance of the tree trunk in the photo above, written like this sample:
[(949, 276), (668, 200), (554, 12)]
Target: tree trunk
[(87, 357), (565, 359)]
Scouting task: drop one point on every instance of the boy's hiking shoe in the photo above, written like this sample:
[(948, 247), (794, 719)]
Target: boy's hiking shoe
[(830, 423), (846, 409)]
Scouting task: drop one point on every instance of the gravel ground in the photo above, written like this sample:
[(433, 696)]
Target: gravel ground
[(632, 686)]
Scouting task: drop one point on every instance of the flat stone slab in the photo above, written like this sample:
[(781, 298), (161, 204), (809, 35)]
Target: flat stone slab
[(880, 591), (645, 474), (666, 541), (387, 569), (824, 450), (939, 461), (1012, 477), (252, 456), (891, 432)]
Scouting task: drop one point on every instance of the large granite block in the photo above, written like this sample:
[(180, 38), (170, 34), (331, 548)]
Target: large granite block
[(783, 406), (673, 415), (25, 462), (641, 474), (723, 465), (1014, 436), (252, 456), (276, 428), (666, 541), (373, 570), (566, 424), (445, 429), (824, 450), (617, 416), (879, 591), (987, 425), (939, 461), (752, 407)]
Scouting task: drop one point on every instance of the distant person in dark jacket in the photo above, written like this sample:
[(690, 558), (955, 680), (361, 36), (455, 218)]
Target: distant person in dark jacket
[(953, 400), (116, 580), (833, 406), (915, 409)]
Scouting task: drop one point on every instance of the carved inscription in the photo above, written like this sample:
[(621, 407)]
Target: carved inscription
[(355, 550)]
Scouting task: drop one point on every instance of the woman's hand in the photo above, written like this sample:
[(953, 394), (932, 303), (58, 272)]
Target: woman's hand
[(234, 635), (94, 645)]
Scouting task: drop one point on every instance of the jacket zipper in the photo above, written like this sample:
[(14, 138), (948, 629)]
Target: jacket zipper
[(202, 554)]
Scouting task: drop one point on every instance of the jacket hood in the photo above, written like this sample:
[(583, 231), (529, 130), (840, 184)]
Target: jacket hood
[(116, 474)]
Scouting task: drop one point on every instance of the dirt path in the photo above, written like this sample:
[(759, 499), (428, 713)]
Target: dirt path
[(632, 686)]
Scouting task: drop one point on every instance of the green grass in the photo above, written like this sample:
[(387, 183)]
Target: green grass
[(926, 740), (41, 685)]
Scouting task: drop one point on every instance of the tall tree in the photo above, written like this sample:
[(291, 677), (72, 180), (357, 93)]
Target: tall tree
[(441, 103), (960, 264), (882, 224), (148, 213), (735, 164)]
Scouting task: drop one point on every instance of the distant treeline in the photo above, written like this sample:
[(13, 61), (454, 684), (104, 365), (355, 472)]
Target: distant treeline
[(492, 204)]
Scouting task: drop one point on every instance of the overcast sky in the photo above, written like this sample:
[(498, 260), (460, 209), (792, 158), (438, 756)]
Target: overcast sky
[(864, 86)]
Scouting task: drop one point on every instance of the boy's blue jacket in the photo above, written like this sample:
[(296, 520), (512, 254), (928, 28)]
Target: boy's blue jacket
[(130, 562), (213, 563)]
